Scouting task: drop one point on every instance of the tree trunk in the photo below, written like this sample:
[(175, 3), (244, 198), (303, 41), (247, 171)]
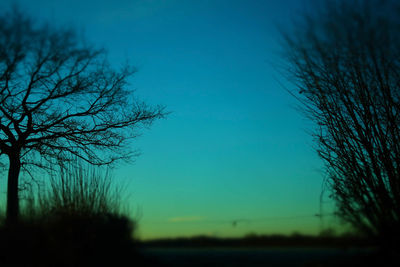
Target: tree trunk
[(12, 213)]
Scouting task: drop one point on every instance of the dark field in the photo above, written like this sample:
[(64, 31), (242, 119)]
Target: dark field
[(109, 244), (273, 250), (220, 257)]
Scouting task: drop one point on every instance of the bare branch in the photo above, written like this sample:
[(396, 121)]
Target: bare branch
[(345, 61), (60, 97)]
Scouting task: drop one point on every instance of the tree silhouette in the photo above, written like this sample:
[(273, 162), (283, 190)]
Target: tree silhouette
[(345, 60), (59, 96)]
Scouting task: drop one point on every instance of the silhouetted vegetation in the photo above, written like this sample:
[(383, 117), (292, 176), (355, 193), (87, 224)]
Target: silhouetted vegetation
[(77, 222), (264, 241), (60, 96), (80, 190), (345, 61), (68, 240)]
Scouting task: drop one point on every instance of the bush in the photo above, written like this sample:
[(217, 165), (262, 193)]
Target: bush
[(78, 222)]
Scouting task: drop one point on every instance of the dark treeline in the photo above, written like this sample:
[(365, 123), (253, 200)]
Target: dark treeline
[(295, 240)]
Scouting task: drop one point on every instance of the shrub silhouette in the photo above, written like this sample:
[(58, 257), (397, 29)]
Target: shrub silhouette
[(80, 190), (344, 61), (78, 222)]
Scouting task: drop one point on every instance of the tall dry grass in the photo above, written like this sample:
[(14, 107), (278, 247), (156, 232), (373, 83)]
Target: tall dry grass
[(81, 191)]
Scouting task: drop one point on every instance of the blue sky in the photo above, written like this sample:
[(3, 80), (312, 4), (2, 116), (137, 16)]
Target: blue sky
[(234, 146)]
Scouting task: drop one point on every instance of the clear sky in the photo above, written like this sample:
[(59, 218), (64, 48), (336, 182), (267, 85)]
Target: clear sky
[(234, 146)]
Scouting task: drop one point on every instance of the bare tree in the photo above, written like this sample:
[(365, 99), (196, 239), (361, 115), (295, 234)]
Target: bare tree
[(59, 96), (345, 60)]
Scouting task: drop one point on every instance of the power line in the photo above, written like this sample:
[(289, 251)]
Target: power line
[(237, 221)]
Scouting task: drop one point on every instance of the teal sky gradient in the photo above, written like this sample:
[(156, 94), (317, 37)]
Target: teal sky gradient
[(234, 146)]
